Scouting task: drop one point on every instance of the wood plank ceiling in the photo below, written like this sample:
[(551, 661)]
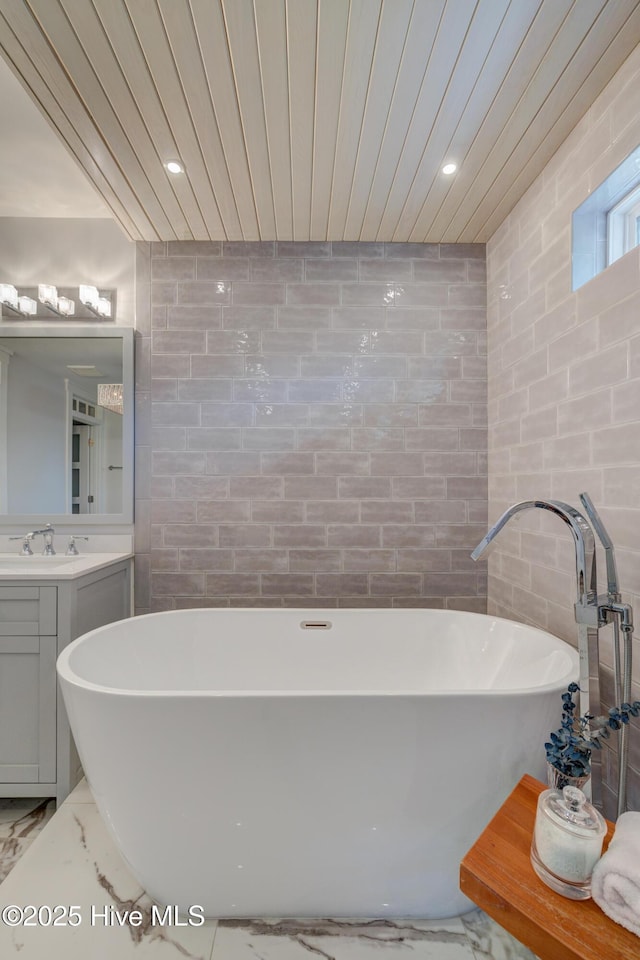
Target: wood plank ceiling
[(315, 119)]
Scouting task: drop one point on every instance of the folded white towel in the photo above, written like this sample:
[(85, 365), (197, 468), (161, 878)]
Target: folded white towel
[(615, 884)]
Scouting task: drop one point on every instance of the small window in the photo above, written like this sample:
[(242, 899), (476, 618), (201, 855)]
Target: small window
[(607, 224), (623, 226)]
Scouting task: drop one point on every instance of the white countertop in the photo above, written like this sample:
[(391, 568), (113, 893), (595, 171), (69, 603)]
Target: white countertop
[(59, 567)]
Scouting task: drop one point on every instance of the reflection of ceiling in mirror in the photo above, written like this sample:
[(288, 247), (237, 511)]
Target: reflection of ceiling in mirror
[(59, 354)]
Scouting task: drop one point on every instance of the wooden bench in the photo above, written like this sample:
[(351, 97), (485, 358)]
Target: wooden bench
[(497, 875)]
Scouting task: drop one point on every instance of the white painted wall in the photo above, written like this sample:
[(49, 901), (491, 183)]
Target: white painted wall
[(69, 252)]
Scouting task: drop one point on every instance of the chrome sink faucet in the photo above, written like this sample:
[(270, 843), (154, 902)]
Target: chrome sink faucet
[(48, 533), (28, 538)]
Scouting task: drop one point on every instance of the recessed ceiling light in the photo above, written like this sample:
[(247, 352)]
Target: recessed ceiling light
[(449, 168), (174, 166)]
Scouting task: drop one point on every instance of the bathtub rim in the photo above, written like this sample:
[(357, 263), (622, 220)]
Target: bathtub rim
[(66, 673)]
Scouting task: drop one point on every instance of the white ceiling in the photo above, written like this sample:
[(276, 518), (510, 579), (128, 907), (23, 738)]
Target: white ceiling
[(312, 119)]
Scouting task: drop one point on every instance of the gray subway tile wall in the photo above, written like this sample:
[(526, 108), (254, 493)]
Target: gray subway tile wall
[(311, 424), (565, 393)]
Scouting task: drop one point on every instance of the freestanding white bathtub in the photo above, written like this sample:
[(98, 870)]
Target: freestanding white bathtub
[(301, 763)]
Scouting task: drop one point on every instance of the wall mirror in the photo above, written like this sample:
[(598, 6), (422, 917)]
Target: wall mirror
[(66, 424)]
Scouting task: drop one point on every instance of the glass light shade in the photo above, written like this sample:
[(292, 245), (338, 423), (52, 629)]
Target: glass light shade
[(9, 295), (48, 294), (28, 306), (89, 295), (66, 306), (104, 306)]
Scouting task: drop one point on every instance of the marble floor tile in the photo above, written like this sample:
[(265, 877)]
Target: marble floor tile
[(341, 939), (73, 862), (21, 820), (490, 940), (11, 850), (31, 812)]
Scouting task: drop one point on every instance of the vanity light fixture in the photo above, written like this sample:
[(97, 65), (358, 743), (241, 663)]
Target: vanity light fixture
[(48, 295), (91, 298), (449, 168), (83, 302), (9, 297)]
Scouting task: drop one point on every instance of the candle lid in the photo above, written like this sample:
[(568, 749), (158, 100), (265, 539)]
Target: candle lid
[(572, 812)]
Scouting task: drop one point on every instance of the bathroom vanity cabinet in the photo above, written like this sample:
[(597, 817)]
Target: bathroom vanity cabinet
[(39, 616)]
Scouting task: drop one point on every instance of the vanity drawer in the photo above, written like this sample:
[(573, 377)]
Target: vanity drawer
[(28, 611)]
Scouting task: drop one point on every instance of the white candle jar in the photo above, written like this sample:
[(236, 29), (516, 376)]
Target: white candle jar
[(567, 841)]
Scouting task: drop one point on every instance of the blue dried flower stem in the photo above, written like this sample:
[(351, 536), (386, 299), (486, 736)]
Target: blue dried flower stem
[(569, 748)]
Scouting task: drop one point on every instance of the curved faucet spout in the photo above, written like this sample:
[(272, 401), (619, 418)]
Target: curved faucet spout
[(582, 539)]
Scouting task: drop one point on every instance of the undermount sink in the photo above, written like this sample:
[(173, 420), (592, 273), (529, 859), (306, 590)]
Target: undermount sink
[(32, 563)]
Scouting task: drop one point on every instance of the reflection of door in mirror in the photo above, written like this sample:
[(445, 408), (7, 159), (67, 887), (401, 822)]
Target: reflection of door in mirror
[(85, 425), (41, 377), (82, 499), (96, 442)]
